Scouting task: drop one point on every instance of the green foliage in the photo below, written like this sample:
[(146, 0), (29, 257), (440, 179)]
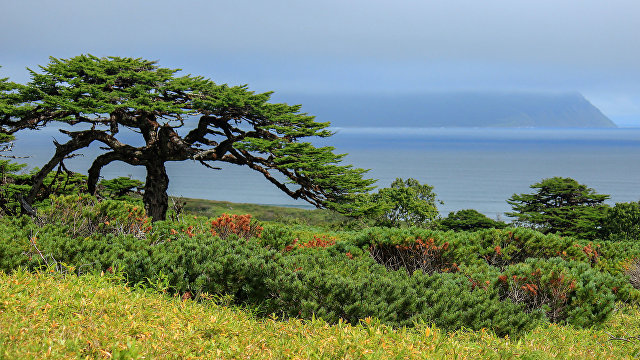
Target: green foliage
[(493, 247), (15, 184), (119, 188), (10, 101), (83, 216), (289, 215), (6, 142), (560, 205), (337, 287), (451, 279), (621, 222), (233, 125), (61, 182), (569, 291), (469, 220), (404, 203), (101, 317), (11, 185)]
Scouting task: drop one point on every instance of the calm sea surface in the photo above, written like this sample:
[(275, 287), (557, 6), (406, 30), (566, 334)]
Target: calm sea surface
[(469, 168)]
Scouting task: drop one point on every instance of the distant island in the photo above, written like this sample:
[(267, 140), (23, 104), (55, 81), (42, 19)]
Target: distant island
[(454, 109)]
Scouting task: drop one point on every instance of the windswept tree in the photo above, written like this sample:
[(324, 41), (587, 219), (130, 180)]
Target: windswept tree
[(228, 124)]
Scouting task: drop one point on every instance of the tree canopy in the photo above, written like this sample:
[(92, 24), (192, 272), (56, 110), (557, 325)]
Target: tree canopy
[(405, 202), (178, 118), (469, 220), (559, 205), (621, 222)]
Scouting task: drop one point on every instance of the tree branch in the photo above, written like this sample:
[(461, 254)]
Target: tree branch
[(97, 165)]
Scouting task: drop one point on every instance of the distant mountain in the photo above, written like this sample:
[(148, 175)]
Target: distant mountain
[(453, 110)]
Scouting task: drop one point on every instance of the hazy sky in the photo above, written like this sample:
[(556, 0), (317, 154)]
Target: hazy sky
[(590, 46)]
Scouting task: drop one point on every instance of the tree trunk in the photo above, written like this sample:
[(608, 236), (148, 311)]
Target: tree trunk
[(155, 196)]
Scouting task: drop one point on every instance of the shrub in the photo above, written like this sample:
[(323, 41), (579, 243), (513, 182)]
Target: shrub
[(569, 291), (239, 225), (634, 273), (422, 255), (336, 288), (494, 247), (321, 241), (120, 188), (202, 263), (469, 220), (621, 222), (300, 271), (84, 215)]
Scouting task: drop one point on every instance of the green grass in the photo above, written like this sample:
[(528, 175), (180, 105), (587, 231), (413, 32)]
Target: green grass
[(214, 208), (47, 316)]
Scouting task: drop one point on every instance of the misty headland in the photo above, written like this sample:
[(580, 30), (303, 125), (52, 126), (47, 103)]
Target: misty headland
[(453, 109)]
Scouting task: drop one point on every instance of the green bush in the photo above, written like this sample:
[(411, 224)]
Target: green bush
[(621, 222), (469, 220), (569, 291), (341, 288), (301, 271)]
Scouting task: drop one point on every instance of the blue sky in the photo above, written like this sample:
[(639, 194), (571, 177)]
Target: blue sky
[(351, 46)]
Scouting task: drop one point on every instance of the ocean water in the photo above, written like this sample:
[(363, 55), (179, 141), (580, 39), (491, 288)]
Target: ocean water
[(469, 168)]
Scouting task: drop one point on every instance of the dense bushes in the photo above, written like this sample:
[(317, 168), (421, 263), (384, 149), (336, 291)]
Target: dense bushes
[(335, 287), (568, 291), (503, 247), (506, 280)]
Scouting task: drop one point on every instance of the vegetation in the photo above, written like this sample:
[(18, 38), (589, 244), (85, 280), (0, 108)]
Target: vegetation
[(560, 205), (509, 281), (48, 316), (404, 203), (388, 284), (469, 220), (228, 124), (14, 184), (285, 215), (621, 222)]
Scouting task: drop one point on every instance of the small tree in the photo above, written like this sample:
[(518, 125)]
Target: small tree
[(621, 222), (177, 119), (405, 202), (469, 220), (559, 205)]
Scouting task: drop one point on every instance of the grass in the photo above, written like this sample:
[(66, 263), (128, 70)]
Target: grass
[(47, 316), (214, 208)]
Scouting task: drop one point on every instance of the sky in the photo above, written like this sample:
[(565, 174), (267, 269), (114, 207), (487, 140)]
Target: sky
[(351, 46)]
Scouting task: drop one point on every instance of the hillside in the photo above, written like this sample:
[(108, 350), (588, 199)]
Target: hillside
[(468, 109)]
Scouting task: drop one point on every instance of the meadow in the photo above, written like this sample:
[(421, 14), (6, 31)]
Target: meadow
[(50, 316)]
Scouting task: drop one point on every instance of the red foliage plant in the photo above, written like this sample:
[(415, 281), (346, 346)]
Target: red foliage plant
[(240, 225), (534, 292), (321, 241)]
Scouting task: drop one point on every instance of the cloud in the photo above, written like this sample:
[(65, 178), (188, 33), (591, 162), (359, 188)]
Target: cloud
[(586, 31), (356, 45)]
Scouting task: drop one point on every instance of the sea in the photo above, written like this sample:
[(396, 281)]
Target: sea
[(469, 168)]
